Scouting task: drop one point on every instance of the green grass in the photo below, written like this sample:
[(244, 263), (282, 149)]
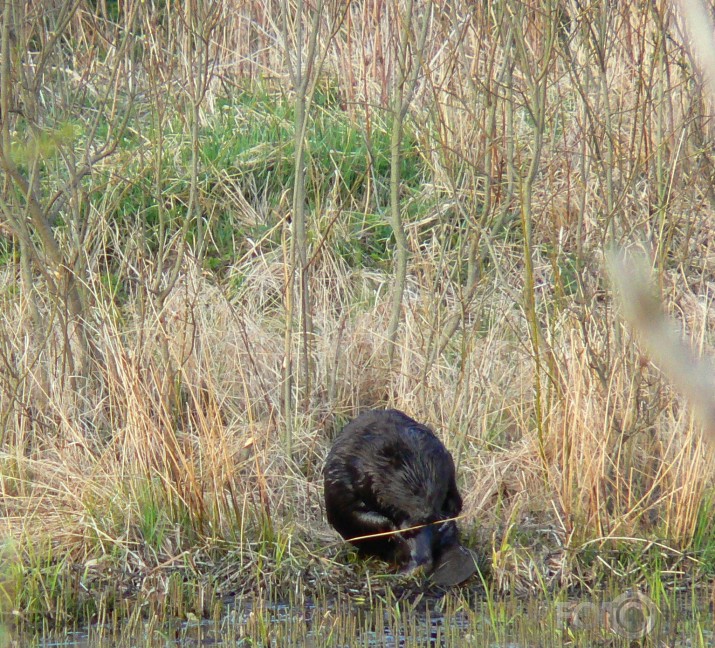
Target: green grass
[(703, 546), (248, 146)]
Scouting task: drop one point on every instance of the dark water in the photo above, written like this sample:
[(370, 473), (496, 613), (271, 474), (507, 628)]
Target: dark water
[(627, 619)]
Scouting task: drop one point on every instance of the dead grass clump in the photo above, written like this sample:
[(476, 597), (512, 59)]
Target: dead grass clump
[(165, 407)]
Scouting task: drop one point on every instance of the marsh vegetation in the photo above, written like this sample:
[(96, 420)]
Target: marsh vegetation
[(228, 227)]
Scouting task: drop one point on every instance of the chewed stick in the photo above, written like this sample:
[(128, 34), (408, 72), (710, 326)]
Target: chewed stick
[(382, 534)]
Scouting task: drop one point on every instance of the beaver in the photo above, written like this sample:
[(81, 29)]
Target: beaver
[(387, 472)]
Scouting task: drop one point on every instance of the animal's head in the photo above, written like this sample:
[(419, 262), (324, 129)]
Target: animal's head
[(427, 544)]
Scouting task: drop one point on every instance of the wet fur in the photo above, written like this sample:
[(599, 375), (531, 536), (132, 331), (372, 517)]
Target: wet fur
[(387, 472)]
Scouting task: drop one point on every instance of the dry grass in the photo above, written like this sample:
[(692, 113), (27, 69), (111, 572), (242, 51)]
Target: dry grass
[(163, 450)]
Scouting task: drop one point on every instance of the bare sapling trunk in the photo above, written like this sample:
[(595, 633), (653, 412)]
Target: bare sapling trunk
[(198, 20), (34, 141), (305, 62), (409, 64), (536, 77)]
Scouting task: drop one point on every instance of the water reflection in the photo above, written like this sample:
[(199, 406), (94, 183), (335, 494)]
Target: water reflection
[(447, 621)]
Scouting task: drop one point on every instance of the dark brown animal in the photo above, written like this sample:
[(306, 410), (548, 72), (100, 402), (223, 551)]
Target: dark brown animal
[(387, 472)]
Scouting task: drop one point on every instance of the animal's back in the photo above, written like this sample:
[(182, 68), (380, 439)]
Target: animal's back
[(387, 472), (397, 464)]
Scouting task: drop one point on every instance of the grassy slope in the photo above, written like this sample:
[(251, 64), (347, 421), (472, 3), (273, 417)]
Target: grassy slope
[(123, 485)]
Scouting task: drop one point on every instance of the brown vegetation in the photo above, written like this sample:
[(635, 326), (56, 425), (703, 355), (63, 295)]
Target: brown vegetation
[(153, 414)]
